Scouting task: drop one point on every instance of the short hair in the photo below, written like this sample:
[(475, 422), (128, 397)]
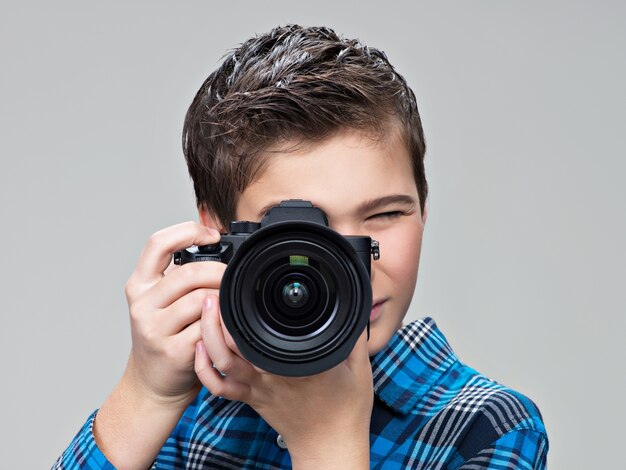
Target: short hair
[(292, 83)]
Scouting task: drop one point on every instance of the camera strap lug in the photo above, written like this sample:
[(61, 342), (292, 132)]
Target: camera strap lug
[(375, 249)]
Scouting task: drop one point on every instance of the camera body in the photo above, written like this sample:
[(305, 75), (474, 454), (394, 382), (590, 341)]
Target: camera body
[(296, 295)]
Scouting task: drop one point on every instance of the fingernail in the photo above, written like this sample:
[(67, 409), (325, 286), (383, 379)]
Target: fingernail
[(208, 303)]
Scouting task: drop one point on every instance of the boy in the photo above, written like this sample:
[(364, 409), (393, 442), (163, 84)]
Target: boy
[(300, 113)]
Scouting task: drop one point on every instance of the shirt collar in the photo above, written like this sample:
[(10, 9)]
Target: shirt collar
[(415, 358)]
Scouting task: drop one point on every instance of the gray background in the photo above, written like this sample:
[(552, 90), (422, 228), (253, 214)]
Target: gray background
[(523, 259)]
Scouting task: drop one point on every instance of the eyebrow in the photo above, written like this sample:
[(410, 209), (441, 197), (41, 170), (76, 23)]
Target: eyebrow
[(398, 199), (367, 206)]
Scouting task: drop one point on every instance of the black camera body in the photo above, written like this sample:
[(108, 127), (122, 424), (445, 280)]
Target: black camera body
[(296, 295)]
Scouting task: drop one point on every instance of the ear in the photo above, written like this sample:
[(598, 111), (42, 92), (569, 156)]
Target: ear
[(208, 219), (425, 213)]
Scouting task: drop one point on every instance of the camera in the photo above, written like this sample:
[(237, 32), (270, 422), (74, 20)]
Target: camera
[(296, 295)]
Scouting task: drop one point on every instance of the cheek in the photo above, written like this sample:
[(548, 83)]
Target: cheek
[(400, 253), (399, 259)]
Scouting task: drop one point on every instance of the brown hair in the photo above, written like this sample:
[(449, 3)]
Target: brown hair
[(293, 83)]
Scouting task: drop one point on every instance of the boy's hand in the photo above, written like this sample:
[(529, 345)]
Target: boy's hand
[(159, 382), (165, 303), (324, 419)]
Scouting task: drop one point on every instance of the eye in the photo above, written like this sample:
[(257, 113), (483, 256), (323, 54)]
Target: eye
[(386, 215)]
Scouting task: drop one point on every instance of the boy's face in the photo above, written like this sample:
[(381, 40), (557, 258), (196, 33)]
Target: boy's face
[(365, 187)]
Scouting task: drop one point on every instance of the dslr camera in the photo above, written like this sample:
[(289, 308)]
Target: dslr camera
[(296, 295)]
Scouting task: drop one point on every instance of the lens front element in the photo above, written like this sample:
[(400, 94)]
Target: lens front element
[(295, 294), (294, 300)]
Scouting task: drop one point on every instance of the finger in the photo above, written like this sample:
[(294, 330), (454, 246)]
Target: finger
[(228, 338), (183, 311), (359, 357), (187, 340), (170, 267), (191, 276), (226, 361), (157, 254), (218, 385)]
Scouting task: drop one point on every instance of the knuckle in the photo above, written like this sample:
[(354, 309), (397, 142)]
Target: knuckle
[(224, 365), (129, 288), (190, 227), (196, 298), (149, 335), (187, 273), (170, 352), (198, 295), (211, 272), (205, 273), (217, 389), (155, 240), (135, 311)]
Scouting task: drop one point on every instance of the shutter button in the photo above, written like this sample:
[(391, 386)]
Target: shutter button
[(281, 442)]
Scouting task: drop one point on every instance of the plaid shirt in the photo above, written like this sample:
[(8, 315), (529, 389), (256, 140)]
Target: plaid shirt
[(430, 412)]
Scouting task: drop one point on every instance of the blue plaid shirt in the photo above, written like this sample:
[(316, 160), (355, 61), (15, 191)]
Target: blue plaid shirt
[(430, 412)]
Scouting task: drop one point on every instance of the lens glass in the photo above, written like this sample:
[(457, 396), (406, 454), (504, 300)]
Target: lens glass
[(295, 294)]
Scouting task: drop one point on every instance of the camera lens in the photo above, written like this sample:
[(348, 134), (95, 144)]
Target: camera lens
[(295, 294), (296, 297)]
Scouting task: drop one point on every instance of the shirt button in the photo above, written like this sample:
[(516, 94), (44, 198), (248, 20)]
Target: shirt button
[(280, 442)]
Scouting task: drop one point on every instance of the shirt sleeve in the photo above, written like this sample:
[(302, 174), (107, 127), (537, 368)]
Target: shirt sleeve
[(520, 449), (83, 453)]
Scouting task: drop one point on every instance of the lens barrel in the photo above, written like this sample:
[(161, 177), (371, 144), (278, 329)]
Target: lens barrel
[(295, 297)]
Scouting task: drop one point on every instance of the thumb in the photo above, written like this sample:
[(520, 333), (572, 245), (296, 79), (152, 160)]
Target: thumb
[(359, 357)]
